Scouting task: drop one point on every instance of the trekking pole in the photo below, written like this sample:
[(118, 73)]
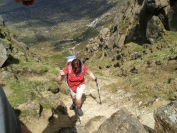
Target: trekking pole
[(70, 94), (98, 89)]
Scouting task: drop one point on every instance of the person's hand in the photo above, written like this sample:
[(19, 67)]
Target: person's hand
[(26, 2), (96, 80), (62, 72)]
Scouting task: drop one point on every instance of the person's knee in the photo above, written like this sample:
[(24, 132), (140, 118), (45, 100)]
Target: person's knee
[(79, 97)]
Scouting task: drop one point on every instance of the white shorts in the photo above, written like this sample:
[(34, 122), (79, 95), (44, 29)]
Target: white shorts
[(80, 89)]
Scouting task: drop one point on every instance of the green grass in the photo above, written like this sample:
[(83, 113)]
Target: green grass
[(35, 67), (46, 105), (124, 26), (163, 50), (22, 92), (152, 81)]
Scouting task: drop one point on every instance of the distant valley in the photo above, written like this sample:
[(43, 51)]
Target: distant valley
[(52, 23)]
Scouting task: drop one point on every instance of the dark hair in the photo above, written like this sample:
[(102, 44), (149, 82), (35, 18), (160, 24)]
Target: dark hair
[(76, 65)]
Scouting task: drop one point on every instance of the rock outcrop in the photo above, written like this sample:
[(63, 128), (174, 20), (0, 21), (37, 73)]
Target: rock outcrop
[(3, 54), (166, 118), (141, 22), (122, 122)]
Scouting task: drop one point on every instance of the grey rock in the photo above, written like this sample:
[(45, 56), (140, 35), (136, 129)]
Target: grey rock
[(93, 124), (34, 107), (155, 30), (122, 122), (3, 53), (5, 75), (166, 118), (172, 19)]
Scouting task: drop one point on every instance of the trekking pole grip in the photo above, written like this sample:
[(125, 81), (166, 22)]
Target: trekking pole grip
[(96, 80), (61, 68)]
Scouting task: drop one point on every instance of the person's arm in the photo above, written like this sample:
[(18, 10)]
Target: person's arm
[(59, 78), (91, 74), (62, 74)]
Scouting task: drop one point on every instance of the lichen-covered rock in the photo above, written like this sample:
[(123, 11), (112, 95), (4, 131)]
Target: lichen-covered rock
[(172, 13), (155, 30), (122, 122), (166, 118), (3, 54), (5, 75), (93, 124)]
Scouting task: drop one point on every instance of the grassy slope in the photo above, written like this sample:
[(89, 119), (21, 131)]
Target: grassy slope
[(155, 75), (150, 78)]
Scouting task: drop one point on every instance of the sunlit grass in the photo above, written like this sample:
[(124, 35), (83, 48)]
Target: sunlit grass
[(22, 92)]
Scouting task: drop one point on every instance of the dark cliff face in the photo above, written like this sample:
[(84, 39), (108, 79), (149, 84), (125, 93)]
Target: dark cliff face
[(137, 18), (143, 22)]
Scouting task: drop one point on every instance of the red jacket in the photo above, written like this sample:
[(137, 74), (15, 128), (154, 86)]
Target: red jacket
[(74, 81)]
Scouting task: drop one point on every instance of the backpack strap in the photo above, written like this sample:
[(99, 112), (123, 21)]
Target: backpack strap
[(69, 69)]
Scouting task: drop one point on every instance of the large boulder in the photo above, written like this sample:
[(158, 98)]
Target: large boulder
[(172, 19), (6, 76), (155, 30), (166, 118), (3, 53), (122, 122), (93, 124), (155, 6)]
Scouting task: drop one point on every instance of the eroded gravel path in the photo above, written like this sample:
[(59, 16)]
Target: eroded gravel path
[(111, 102)]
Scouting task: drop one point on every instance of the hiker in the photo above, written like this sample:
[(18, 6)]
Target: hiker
[(9, 122), (26, 2), (74, 72)]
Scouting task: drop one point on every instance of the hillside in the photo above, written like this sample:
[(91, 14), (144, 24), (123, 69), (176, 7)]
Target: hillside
[(56, 22), (135, 73)]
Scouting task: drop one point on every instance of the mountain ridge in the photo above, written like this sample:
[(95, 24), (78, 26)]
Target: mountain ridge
[(146, 71)]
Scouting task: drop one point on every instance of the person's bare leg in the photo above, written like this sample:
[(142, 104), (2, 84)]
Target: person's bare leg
[(79, 103), (79, 100)]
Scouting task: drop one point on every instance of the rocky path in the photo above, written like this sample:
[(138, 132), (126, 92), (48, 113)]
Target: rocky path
[(113, 99), (111, 102)]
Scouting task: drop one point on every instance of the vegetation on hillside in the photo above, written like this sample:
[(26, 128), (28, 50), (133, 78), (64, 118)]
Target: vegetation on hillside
[(149, 76)]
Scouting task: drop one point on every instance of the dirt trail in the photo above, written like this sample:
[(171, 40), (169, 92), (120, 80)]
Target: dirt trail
[(111, 102), (91, 106), (113, 99)]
